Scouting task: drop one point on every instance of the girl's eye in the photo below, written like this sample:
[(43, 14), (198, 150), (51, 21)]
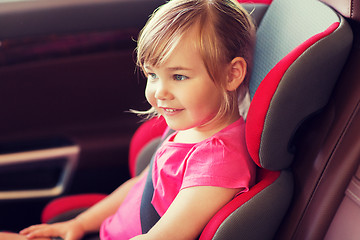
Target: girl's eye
[(179, 77), (151, 76)]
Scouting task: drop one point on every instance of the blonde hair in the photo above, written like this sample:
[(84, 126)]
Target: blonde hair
[(226, 31)]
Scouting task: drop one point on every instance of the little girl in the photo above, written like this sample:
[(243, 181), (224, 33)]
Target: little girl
[(195, 55)]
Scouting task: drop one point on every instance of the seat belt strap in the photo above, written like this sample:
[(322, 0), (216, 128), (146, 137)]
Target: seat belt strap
[(148, 214)]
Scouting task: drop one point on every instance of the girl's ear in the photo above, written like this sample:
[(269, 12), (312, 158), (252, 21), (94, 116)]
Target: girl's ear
[(237, 73)]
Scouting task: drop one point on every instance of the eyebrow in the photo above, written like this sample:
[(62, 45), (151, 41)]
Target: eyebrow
[(177, 68)]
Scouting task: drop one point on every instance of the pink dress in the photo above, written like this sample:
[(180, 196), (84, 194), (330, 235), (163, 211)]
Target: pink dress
[(221, 160)]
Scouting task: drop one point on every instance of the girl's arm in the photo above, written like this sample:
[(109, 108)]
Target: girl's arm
[(92, 219), (191, 210), (88, 221), (94, 216)]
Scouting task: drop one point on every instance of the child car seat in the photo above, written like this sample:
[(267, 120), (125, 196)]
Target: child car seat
[(300, 50), (329, 154), (293, 76)]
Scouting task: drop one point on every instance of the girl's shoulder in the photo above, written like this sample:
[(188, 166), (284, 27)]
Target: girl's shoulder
[(228, 142), (234, 133)]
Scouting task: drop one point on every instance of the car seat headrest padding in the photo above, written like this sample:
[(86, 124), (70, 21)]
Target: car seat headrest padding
[(295, 68), (256, 10), (286, 25)]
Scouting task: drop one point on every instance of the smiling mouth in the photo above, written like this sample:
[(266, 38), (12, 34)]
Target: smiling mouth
[(171, 110)]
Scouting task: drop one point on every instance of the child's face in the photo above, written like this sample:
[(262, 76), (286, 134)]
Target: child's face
[(181, 89)]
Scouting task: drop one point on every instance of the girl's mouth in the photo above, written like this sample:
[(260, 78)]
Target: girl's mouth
[(170, 111)]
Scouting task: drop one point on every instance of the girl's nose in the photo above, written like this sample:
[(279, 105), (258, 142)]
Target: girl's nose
[(162, 92)]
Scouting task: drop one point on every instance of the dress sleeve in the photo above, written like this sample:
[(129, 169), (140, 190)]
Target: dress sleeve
[(216, 164)]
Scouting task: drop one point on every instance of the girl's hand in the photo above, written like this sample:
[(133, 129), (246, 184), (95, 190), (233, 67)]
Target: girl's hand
[(69, 230), (13, 236)]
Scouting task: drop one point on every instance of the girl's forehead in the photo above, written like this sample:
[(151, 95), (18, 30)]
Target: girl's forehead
[(181, 45), (182, 58)]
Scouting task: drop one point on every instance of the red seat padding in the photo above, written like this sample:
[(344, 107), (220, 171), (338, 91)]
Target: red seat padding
[(264, 179), (65, 204), (149, 130)]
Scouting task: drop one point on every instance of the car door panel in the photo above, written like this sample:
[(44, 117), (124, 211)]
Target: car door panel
[(67, 74)]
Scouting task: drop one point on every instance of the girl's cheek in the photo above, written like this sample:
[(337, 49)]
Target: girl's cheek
[(150, 95)]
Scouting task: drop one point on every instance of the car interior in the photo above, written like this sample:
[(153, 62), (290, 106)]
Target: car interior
[(68, 79)]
